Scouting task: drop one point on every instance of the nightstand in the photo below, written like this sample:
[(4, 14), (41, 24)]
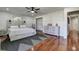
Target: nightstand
[(3, 37)]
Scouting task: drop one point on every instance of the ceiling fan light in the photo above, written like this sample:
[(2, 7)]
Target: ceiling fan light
[(32, 11)]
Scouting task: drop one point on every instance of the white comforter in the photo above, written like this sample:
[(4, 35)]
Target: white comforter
[(18, 33), (21, 31)]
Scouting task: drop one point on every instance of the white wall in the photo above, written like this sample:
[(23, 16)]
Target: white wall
[(3, 20), (56, 17), (4, 17), (29, 21)]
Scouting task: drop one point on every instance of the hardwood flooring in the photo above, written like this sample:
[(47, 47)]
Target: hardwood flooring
[(59, 44), (73, 41), (51, 44), (62, 45)]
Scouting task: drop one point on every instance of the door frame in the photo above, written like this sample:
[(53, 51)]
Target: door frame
[(39, 19)]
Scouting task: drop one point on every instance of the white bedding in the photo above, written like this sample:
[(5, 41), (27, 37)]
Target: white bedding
[(21, 31), (18, 33)]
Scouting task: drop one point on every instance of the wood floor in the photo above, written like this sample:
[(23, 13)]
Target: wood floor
[(73, 41), (59, 44), (51, 44), (62, 45)]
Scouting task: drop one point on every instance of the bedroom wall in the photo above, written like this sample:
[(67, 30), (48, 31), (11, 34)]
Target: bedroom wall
[(56, 17), (29, 21), (4, 17), (3, 20)]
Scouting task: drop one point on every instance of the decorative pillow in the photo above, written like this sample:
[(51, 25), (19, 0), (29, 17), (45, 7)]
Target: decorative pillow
[(13, 27), (22, 26)]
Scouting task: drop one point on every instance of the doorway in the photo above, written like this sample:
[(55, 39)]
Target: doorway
[(39, 24), (74, 23), (73, 32)]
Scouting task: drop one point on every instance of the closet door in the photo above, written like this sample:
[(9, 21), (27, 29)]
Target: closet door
[(74, 24), (73, 40)]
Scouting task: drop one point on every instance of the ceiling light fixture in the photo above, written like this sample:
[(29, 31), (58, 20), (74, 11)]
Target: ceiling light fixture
[(32, 11)]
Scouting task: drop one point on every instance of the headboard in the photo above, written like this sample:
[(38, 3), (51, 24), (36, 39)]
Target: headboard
[(17, 21)]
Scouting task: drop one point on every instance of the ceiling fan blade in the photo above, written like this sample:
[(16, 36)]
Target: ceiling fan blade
[(28, 11), (32, 9), (36, 12), (37, 9), (27, 7)]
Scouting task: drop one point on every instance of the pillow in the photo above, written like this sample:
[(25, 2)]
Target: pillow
[(13, 27), (22, 26)]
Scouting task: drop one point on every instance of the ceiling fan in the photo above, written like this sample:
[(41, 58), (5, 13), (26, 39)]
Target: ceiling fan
[(32, 9)]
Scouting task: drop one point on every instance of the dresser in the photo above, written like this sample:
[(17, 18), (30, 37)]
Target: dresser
[(52, 30), (3, 35)]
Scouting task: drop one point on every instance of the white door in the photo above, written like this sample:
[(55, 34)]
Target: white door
[(39, 24)]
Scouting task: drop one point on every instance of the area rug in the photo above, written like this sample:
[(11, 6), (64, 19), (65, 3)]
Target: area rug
[(42, 38), (35, 42), (22, 44), (24, 47)]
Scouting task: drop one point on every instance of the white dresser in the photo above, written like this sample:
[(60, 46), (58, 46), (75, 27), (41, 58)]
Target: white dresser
[(52, 30)]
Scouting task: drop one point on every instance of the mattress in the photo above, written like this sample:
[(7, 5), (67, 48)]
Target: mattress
[(21, 31), (18, 33)]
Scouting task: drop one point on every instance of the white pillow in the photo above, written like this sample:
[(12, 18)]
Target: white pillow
[(22, 26), (13, 27)]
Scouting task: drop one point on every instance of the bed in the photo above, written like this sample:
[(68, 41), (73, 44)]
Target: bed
[(16, 33)]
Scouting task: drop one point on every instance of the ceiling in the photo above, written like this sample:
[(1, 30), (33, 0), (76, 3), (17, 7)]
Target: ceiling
[(22, 11)]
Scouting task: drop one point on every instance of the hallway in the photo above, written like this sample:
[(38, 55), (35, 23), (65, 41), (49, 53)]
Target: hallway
[(73, 31)]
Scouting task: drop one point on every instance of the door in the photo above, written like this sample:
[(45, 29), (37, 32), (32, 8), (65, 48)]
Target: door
[(74, 24), (39, 24), (73, 33)]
